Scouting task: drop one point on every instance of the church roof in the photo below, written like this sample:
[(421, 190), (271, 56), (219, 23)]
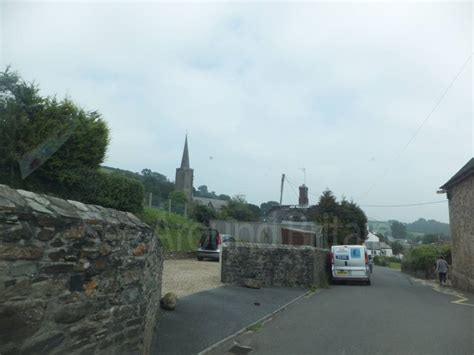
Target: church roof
[(185, 159)]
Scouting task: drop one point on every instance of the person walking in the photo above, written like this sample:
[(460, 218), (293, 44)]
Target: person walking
[(442, 268)]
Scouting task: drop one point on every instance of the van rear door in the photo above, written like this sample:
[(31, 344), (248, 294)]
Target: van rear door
[(356, 261)]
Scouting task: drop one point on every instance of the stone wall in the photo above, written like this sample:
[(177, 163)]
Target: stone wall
[(273, 265), (461, 212), (75, 278)]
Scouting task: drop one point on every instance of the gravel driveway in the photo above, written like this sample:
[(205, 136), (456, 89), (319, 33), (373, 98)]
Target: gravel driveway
[(186, 276)]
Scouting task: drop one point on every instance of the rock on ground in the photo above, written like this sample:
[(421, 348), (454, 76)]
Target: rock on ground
[(252, 283), (169, 301)]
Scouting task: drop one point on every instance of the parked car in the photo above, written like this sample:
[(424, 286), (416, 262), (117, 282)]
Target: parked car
[(210, 244), (350, 263)]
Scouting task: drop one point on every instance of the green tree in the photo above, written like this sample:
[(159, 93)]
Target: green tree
[(178, 197), (203, 214), (399, 230), (342, 223), (265, 207), (430, 239), (203, 190), (178, 201), (32, 123), (28, 120), (382, 237), (157, 184), (397, 248), (240, 210)]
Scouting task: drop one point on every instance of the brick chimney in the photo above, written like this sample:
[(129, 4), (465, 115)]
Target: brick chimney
[(303, 199)]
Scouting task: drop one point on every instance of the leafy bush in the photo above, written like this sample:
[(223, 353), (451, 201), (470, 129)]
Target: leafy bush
[(176, 232), (381, 261), (107, 190), (423, 257), (203, 214), (392, 259)]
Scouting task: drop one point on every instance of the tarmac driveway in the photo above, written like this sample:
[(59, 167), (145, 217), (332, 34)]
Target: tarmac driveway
[(204, 318)]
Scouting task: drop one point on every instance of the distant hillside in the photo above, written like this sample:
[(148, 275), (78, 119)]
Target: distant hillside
[(417, 228), (429, 227), (380, 227)]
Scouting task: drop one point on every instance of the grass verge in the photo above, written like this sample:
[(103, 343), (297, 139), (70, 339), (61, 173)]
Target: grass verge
[(396, 266), (255, 327)]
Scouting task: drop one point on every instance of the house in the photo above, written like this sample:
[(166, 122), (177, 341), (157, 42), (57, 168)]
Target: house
[(375, 247), (385, 249), (372, 243), (460, 193)]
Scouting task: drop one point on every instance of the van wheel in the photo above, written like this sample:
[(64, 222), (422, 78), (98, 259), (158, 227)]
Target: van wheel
[(199, 258)]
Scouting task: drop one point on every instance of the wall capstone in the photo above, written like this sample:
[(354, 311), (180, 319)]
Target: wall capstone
[(75, 278)]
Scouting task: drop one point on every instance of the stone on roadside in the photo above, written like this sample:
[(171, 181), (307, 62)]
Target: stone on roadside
[(169, 301), (252, 283)]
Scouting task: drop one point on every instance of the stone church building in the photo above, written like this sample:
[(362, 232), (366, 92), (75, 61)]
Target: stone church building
[(184, 182), (184, 174)]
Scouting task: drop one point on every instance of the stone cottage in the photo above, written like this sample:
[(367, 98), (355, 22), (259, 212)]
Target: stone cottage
[(460, 193)]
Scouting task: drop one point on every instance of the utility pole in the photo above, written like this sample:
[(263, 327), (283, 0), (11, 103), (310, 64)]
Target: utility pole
[(281, 189)]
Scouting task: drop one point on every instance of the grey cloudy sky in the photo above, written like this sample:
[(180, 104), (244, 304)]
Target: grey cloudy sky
[(265, 89)]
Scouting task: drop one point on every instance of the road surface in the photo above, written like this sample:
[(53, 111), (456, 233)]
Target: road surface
[(396, 315), (204, 318)]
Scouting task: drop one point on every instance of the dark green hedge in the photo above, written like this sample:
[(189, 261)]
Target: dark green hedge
[(94, 187), (107, 190)]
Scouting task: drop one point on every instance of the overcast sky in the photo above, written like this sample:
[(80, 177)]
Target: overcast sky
[(264, 89)]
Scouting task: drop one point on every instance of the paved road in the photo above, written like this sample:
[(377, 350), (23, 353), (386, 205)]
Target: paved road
[(396, 315), (204, 318)]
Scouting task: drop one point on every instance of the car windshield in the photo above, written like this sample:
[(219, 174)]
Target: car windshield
[(236, 177)]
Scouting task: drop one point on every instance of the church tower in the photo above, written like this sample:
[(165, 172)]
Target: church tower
[(184, 174)]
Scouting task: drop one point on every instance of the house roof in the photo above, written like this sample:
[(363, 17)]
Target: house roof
[(372, 245), (371, 237), (466, 171), (210, 202), (385, 246)]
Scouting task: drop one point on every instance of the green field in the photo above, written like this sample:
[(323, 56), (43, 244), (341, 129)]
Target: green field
[(176, 232)]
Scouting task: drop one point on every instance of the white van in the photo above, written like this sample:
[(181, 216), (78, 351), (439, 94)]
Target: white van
[(350, 263)]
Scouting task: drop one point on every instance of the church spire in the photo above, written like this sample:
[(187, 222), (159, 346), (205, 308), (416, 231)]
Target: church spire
[(185, 159)]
